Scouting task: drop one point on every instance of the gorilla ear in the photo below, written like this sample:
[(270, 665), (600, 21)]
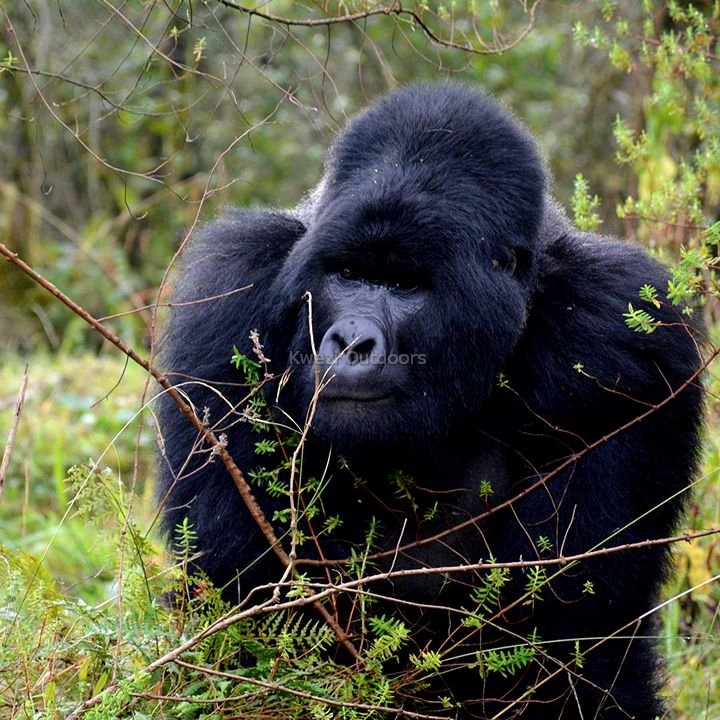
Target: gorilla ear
[(520, 260), (514, 260), (510, 264)]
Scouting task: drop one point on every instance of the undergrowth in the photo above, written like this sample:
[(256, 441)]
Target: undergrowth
[(92, 607)]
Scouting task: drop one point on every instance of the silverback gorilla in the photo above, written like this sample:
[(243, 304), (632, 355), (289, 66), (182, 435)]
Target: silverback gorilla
[(459, 353)]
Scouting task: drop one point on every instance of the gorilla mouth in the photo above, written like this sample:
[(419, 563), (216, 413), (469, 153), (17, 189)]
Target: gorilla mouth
[(353, 398)]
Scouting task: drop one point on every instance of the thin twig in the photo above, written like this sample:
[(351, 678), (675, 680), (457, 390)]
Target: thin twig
[(397, 10), (279, 687), (13, 430)]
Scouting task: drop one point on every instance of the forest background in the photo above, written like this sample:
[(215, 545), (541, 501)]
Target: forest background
[(124, 124)]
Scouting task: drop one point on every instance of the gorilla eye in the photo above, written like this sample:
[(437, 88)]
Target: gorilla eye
[(347, 273), (406, 284)]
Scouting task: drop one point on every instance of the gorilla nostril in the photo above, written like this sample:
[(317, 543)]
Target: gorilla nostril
[(338, 342), (361, 351)]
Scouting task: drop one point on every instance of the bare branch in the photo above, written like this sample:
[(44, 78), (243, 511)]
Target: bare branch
[(13, 430), (279, 687), (396, 9)]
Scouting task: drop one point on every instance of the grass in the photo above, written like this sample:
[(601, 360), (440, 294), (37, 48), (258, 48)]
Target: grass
[(691, 623), (78, 412), (81, 570)]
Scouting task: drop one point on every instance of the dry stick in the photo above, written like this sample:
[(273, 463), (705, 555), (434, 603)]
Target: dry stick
[(636, 621), (570, 460), (270, 605), (395, 9), (216, 445), (13, 430), (278, 687)]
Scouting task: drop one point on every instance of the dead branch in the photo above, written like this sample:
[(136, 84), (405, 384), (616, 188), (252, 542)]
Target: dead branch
[(13, 430), (396, 9)]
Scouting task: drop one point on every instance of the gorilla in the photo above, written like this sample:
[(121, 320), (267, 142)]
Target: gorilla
[(457, 358)]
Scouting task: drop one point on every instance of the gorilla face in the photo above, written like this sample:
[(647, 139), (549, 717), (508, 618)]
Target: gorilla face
[(414, 311), (419, 258)]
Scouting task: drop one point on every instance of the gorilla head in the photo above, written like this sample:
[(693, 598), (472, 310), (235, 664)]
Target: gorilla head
[(419, 256)]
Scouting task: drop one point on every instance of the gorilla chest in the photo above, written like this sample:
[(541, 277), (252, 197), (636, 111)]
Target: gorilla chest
[(416, 525)]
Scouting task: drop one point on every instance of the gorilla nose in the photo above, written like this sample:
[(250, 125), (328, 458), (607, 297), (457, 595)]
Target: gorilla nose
[(354, 350)]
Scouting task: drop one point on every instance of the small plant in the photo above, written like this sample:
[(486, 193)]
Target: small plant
[(640, 320), (486, 489), (504, 662), (487, 595), (584, 206), (535, 581)]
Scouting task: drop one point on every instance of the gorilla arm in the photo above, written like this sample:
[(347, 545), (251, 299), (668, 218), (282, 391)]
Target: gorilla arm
[(584, 375), (620, 411), (243, 249)]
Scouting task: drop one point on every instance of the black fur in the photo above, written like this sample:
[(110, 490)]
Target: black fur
[(433, 237)]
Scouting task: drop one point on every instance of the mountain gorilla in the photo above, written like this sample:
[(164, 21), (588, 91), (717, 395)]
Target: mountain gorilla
[(446, 333)]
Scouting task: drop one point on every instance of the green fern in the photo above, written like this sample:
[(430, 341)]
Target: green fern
[(506, 663), (640, 320), (487, 595), (535, 582)]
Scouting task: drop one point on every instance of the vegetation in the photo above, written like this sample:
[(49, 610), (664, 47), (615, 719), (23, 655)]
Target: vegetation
[(124, 125)]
